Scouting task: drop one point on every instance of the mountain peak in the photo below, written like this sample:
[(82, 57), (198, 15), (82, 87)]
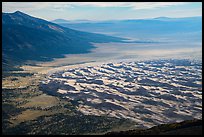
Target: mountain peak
[(20, 18), (60, 21), (162, 18), (19, 12)]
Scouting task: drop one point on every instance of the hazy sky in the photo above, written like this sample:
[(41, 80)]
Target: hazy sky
[(104, 10)]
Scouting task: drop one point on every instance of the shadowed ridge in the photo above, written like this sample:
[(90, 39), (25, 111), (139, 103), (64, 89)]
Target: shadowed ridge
[(188, 127)]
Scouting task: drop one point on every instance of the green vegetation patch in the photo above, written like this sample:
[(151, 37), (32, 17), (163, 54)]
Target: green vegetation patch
[(61, 124)]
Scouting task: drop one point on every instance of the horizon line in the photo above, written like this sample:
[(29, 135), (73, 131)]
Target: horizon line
[(100, 20)]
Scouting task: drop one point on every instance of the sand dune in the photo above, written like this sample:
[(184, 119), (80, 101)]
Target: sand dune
[(150, 92)]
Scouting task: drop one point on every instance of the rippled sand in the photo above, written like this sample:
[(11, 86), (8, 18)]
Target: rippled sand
[(150, 92)]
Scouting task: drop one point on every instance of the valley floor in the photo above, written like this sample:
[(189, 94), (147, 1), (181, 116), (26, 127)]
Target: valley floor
[(119, 95), (149, 93)]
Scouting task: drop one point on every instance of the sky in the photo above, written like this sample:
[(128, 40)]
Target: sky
[(104, 10)]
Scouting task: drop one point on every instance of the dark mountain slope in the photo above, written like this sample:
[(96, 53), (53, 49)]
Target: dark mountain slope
[(188, 127), (29, 38)]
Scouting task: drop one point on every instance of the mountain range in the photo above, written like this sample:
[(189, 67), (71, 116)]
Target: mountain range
[(188, 28), (29, 38), (70, 21)]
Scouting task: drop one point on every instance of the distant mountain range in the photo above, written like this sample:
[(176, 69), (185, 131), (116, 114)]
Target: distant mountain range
[(188, 28), (28, 38), (125, 20), (70, 21)]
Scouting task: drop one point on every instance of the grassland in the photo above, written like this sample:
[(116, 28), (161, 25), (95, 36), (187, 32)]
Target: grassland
[(21, 93), (27, 110)]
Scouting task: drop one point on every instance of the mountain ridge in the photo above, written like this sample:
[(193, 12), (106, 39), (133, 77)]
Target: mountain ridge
[(187, 127), (61, 20), (153, 29), (30, 38)]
